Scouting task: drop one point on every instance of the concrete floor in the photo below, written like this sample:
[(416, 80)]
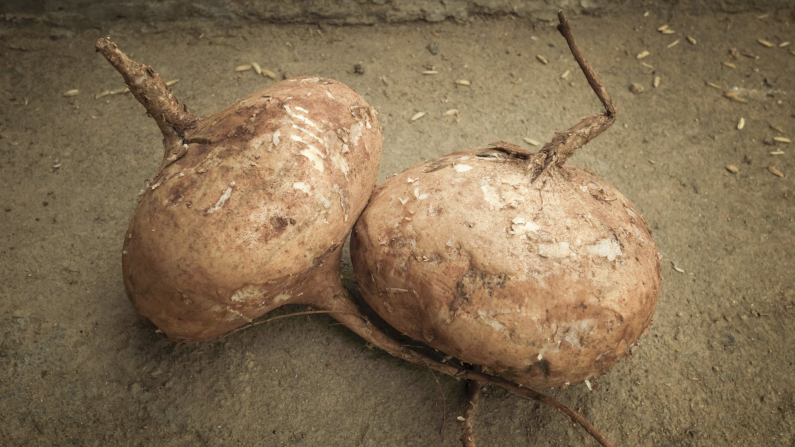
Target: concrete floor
[(77, 367)]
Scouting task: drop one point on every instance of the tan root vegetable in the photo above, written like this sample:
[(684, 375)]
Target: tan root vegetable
[(251, 205), (540, 272)]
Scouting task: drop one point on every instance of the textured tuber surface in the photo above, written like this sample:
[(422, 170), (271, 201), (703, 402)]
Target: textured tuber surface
[(546, 284), (250, 203)]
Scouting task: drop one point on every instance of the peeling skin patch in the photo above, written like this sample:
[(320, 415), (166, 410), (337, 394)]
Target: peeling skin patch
[(301, 118), (343, 200), (521, 227), (490, 321), (462, 168), (222, 201), (509, 194), (356, 133), (554, 250), (276, 136), (419, 196), (314, 156), (312, 153), (281, 297), (331, 140), (326, 202), (301, 186), (330, 95), (491, 196), (343, 164), (362, 114), (246, 293), (576, 331), (257, 141), (309, 133), (234, 315), (606, 248)]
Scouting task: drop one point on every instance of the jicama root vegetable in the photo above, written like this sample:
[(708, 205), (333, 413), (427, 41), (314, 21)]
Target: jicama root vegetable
[(540, 272), (251, 205)]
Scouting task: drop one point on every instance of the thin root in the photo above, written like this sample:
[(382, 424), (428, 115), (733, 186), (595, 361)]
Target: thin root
[(278, 317), (472, 388)]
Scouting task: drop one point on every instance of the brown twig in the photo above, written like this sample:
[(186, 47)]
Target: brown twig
[(565, 143), (590, 74), (472, 388), (151, 91)]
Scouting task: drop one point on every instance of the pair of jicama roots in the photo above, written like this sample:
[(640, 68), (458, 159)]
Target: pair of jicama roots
[(537, 273)]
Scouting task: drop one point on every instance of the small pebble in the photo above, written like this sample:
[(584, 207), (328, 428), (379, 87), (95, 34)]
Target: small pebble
[(433, 48), (636, 88), (358, 69)]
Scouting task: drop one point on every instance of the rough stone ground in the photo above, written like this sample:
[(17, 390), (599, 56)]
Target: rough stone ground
[(77, 367)]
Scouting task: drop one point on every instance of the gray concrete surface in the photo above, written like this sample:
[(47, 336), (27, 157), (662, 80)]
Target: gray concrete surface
[(348, 12), (78, 367)]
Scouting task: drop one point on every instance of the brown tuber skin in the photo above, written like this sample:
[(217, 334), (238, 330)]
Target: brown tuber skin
[(251, 205), (545, 284)]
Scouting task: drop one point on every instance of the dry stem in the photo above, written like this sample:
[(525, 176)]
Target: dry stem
[(151, 91), (472, 388), (590, 74), (565, 143)]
